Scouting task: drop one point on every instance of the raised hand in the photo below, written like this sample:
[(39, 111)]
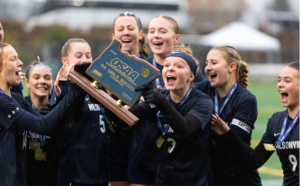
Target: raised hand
[(60, 76), (218, 125), (150, 93)]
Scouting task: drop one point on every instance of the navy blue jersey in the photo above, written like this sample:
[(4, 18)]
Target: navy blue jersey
[(187, 160), (40, 170), (198, 77), (240, 113), (288, 150), (17, 116), (17, 89), (144, 155), (119, 141), (82, 143)]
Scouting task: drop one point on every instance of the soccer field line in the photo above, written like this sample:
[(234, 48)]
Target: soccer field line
[(271, 171)]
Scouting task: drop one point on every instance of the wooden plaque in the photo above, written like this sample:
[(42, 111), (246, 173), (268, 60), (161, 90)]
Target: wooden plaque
[(121, 73), (118, 72), (103, 98)]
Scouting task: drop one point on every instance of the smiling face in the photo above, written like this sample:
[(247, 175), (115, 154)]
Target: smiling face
[(10, 67), (161, 36), (288, 87), (39, 82), (177, 74), (79, 52), (126, 29), (217, 69)]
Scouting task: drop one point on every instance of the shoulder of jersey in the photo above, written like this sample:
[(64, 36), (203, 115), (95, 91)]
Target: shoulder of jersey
[(279, 114)]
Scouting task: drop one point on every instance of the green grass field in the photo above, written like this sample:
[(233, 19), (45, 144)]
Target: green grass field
[(268, 101)]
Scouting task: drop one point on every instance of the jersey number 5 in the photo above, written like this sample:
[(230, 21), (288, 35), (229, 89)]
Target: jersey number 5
[(102, 124)]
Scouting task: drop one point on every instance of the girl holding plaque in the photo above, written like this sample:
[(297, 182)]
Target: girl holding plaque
[(166, 155), (17, 116), (81, 137), (236, 106), (127, 28), (281, 135), (162, 38), (42, 152), (182, 115)]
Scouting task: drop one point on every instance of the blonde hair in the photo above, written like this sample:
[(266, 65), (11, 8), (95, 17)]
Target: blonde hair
[(232, 55), (171, 20), (2, 46)]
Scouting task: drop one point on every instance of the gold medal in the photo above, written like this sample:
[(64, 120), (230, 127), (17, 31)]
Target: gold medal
[(159, 142), (110, 126), (33, 144), (39, 155)]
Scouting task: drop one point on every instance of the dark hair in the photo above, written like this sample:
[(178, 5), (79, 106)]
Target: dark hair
[(232, 55), (2, 46), (143, 48), (294, 65), (66, 48)]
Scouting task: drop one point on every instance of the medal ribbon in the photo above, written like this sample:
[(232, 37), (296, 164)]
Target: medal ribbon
[(284, 133), (157, 83), (104, 115), (159, 124), (233, 88)]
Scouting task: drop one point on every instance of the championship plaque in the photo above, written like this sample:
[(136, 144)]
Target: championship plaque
[(120, 73)]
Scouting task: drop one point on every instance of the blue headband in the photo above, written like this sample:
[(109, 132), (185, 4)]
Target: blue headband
[(188, 58), (36, 66)]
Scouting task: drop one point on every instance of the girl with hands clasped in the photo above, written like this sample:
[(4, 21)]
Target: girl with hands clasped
[(17, 116), (281, 135), (182, 114), (235, 106)]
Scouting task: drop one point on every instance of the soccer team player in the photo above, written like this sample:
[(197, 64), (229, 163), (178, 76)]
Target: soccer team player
[(191, 131), (236, 106)]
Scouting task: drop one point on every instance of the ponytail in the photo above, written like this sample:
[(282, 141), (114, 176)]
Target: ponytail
[(231, 54), (242, 74)]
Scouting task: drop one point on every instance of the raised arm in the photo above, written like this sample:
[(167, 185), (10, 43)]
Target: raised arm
[(13, 114)]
